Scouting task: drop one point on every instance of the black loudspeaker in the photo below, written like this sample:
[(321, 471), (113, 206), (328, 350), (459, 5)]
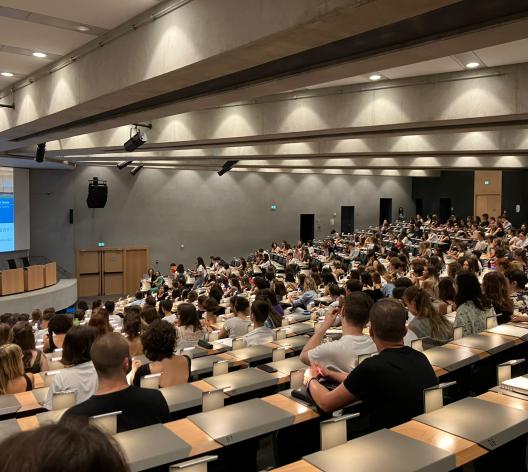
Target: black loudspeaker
[(97, 193), (71, 215)]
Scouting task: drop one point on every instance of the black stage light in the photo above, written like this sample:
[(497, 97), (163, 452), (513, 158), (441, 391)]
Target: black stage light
[(136, 169), (228, 165), (41, 151), (123, 164), (135, 141)]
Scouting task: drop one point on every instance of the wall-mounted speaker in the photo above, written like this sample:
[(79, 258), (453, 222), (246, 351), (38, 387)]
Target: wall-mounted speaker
[(71, 215), (97, 193)]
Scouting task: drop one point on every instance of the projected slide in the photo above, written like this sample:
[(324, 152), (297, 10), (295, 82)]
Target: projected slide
[(7, 210)]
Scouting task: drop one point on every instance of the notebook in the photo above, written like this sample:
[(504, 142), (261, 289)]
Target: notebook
[(518, 385)]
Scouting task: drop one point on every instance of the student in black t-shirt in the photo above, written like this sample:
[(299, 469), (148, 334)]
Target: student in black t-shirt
[(390, 384), (139, 407)]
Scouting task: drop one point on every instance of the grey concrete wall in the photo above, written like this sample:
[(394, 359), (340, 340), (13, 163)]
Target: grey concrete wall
[(210, 215)]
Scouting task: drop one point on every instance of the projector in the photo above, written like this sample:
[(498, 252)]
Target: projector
[(135, 141)]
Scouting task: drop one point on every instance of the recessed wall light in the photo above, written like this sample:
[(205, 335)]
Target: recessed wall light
[(7, 74), (82, 28), (375, 77), (472, 65), (40, 54)]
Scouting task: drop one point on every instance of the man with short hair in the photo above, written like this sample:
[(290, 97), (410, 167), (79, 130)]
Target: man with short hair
[(139, 298), (343, 353), (112, 317), (139, 406), (166, 310), (390, 384)]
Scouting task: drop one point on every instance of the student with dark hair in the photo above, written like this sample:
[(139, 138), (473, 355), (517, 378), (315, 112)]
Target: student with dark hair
[(132, 328), (82, 305), (353, 285), (165, 310), (260, 311), (139, 406), (390, 384), (473, 308), (139, 298), (6, 335), (239, 324), (99, 321), (200, 273), (86, 448), (274, 319), (113, 318), (517, 281), (495, 288), (149, 314), (188, 327), (58, 326), (447, 292), (272, 297), (34, 360), (159, 344), (150, 301), (80, 373), (343, 353), (280, 289)]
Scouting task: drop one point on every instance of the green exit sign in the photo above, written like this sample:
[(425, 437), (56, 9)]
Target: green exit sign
[(273, 207), (486, 182), (101, 244)]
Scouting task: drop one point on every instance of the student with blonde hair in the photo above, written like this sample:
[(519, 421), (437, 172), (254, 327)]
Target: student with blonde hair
[(12, 376)]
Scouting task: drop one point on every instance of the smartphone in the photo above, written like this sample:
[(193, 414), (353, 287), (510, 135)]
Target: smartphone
[(267, 368), (204, 344)]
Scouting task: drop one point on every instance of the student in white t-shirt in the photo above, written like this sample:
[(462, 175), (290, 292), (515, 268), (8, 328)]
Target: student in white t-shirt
[(239, 324), (260, 310), (343, 353)]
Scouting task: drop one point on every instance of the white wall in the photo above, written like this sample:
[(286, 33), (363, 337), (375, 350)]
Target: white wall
[(210, 215)]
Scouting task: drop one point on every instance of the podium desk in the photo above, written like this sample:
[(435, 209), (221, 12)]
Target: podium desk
[(11, 281), (242, 381), (50, 274), (33, 277), (241, 421), (383, 450), (489, 424), (152, 446)]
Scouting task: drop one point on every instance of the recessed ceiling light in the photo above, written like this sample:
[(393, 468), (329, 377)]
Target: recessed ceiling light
[(375, 77), (7, 74), (40, 54), (82, 28), (472, 65)]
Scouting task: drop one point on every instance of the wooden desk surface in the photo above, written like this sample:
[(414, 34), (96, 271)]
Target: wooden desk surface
[(479, 352), (300, 412), (28, 401), (235, 361), (299, 466), (28, 423), (439, 371), (505, 400), (199, 441), (514, 339), (465, 451), (203, 386)]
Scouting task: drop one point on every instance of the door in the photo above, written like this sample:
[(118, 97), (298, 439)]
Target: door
[(385, 212), (445, 209), (419, 206), (490, 204), (347, 219), (136, 265), (307, 227)]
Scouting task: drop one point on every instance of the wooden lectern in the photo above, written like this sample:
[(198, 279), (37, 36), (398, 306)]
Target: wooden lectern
[(11, 281), (33, 277), (50, 274)]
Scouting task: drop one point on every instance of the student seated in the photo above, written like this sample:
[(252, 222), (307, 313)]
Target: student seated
[(390, 384), (260, 310), (343, 353), (188, 327), (12, 376), (159, 344), (132, 329), (58, 326), (79, 374), (427, 322), (34, 360), (239, 324), (166, 311), (139, 406), (473, 308), (67, 446)]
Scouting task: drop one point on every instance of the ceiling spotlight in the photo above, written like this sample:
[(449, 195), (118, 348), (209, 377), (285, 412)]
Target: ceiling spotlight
[(41, 151), (123, 164), (136, 169), (40, 54), (137, 139), (472, 65), (375, 77), (228, 165), (7, 74), (82, 28)]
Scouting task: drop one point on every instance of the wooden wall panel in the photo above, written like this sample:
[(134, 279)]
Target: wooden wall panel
[(113, 260), (88, 285), (488, 192), (88, 262), (136, 265), (113, 284)]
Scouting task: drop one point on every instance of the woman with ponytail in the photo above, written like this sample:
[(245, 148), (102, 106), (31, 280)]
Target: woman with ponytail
[(427, 322)]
